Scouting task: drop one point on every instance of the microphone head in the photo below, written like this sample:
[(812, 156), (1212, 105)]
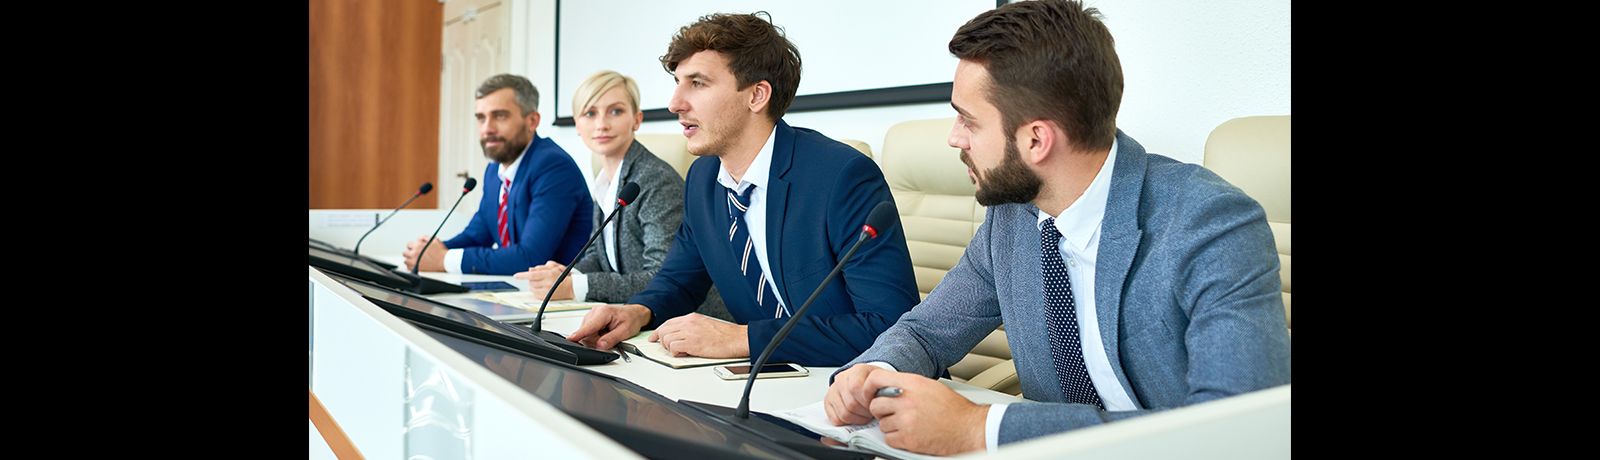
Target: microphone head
[(472, 183), (882, 217), (426, 187), (628, 193)]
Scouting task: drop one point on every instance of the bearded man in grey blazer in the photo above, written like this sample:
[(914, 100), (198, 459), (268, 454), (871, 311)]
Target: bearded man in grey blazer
[(1129, 282)]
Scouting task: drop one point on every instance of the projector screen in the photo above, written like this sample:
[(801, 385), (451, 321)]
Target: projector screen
[(845, 46)]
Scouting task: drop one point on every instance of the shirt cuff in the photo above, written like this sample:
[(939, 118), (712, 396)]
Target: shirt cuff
[(991, 426), (452, 260), (580, 285), (884, 365)]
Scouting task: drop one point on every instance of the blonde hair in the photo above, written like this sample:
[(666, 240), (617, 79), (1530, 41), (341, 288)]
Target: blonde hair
[(596, 85)]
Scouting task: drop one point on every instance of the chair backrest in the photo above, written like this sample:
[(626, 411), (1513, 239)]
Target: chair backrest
[(939, 214), (1252, 153), (934, 194), (674, 149)]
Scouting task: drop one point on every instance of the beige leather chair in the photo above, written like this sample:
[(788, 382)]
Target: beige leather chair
[(1252, 153), (939, 214), (674, 149)]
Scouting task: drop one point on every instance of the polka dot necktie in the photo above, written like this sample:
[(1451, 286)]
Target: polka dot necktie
[(744, 248), (1061, 320)]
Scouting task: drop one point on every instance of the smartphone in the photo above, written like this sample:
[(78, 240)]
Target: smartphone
[(489, 286), (770, 371)]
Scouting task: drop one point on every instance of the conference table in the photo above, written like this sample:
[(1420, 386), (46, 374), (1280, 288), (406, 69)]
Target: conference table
[(380, 379)]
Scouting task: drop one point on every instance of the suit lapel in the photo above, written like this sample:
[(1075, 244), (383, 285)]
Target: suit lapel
[(629, 160), (777, 202), (1119, 242)]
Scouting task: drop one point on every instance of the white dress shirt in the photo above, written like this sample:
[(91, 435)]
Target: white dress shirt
[(604, 192), (755, 217), (452, 258), (1080, 226)]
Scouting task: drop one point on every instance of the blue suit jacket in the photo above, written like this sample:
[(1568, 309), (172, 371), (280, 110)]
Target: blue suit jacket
[(1187, 295), (818, 198), (549, 214)]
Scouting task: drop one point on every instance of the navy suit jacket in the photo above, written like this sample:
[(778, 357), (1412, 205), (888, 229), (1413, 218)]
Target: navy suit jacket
[(819, 195), (549, 214), (1186, 287)]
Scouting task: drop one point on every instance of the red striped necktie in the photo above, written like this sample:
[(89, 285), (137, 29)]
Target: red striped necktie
[(505, 197)]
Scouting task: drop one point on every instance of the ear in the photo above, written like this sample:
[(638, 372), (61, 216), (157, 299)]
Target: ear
[(638, 118), (760, 97), (1038, 139), (533, 121)]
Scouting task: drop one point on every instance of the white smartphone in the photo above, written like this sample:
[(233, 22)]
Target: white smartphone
[(769, 371)]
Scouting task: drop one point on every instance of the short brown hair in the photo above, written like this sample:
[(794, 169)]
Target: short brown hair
[(1051, 60), (756, 50)]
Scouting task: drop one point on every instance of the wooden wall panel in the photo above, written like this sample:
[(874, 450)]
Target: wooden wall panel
[(374, 102)]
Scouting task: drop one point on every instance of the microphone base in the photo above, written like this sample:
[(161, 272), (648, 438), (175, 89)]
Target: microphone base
[(782, 432), (585, 355)]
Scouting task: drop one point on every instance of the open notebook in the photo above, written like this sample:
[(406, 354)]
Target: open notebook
[(530, 301), (655, 352), (869, 437)]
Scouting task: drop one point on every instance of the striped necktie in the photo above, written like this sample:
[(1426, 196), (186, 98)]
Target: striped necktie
[(744, 249), (505, 199)]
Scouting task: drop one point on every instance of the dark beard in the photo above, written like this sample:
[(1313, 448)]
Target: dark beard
[(1011, 182), (508, 153)]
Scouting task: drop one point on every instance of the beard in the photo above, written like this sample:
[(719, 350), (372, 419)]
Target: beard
[(508, 151), (1011, 182)]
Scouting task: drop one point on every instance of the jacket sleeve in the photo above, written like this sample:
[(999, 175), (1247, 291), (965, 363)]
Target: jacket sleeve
[(878, 281), (555, 194)]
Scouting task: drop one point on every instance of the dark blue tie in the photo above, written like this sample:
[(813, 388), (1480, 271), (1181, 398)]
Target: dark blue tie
[(744, 248), (1061, 319)]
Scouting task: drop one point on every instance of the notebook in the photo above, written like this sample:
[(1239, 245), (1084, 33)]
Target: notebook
[(655, 352)]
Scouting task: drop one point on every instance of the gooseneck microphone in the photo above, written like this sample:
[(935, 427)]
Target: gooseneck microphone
[(882, 217), (626, 195), (584, 355), (465, 189), (426, 187)]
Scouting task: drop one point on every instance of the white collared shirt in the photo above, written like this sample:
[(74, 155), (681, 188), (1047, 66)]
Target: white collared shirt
[(452, 258), (604, 192), (757, 175)]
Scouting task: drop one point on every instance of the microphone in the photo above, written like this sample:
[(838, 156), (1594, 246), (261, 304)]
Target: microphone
[(426, 187), (626, 195), (882, 217), (465, 189)]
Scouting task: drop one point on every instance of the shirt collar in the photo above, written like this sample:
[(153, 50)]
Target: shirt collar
[(759, 171), (1080, 220)]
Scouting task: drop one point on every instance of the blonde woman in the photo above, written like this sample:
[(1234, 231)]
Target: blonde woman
[(633, 245)]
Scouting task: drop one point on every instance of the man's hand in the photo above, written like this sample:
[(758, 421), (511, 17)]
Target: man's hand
[(540, 277), (432, 259), (844, 403), (698, 335), (607, 325), (927, 418)]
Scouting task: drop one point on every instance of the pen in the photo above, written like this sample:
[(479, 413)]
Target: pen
[(889, 391), (624, 354)]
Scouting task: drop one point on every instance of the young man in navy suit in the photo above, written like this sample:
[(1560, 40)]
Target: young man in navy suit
[(535, 205), (1129, 283), (769, 209)]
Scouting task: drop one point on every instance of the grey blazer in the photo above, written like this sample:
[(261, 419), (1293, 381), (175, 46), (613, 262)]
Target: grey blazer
[(1186, 291), (644, 232)]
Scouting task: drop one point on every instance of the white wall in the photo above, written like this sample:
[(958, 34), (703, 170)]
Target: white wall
[(1188, 66)]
